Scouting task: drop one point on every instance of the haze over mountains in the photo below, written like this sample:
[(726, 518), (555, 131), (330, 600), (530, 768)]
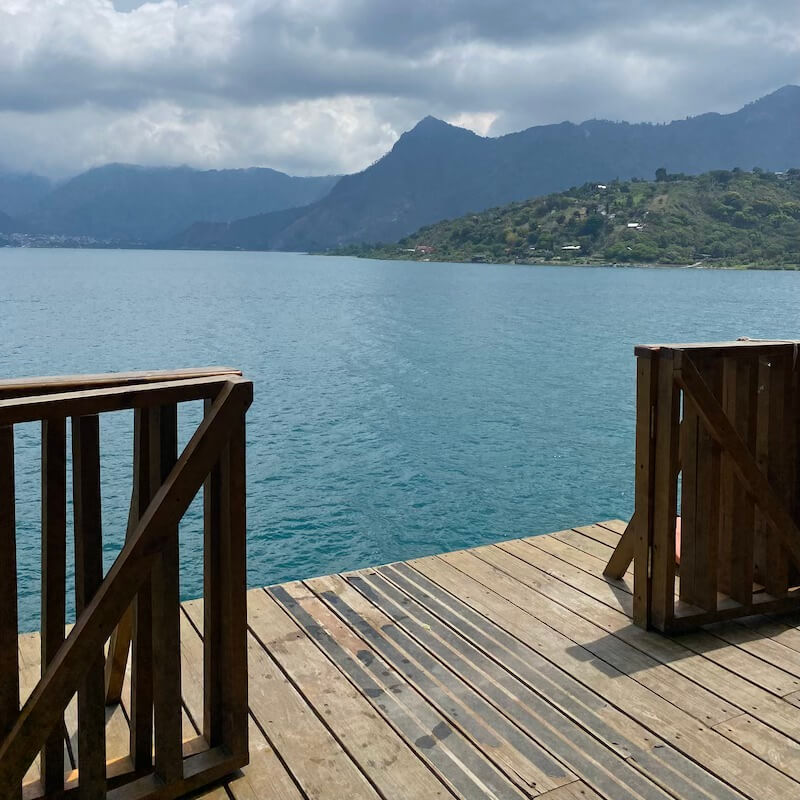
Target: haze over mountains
[(128, 203), (435, 171)]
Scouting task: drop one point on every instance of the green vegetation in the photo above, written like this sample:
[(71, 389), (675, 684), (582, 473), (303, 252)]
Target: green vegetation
[(720, 218)]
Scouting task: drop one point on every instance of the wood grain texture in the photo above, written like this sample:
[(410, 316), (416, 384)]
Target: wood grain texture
[(88, 578), (54, 571), (9, 663)]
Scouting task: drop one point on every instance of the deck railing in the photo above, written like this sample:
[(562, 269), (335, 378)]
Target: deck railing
[(138, 599), (717, 461)]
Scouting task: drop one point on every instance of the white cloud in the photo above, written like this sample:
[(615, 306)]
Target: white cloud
[(327, 85)]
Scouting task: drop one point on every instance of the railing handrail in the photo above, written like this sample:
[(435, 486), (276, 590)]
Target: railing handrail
[(39, 407), (139, 591), (25, 387), (717, 444)]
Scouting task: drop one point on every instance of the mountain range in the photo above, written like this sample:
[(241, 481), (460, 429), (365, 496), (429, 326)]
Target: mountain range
[(131, 204), (438, 171), (435, 171)]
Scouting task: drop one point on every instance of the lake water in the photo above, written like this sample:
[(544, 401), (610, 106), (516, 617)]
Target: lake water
[(401, 409)]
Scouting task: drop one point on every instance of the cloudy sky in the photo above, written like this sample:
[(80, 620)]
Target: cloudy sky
[(326, 86)]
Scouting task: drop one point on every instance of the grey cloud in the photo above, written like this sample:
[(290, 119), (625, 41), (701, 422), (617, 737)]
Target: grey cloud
[(168, 77)]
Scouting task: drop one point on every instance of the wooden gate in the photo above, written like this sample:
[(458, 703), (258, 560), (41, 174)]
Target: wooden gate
[(717, 456), (138, 599)]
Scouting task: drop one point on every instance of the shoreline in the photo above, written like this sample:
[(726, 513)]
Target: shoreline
[(619, 265)]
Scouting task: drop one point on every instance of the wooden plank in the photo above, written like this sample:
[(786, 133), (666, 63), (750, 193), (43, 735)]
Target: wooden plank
[(644, 489), (729, 685), (123, 580), (314, 756), (662, 568), (371, 743), (777, 568), (546, 704), (54, 577), (702, 745), (771, 746), (444, 747), (119, 398), (744, 346), (9, 663), (754, 669), (592, 547), (141, 699), (690, 434), (523, 760), (660, 680), (19, 387), (742, 401), (572, 791), (265, 775), (707, 506), (233, 611), (621, 558), (119, 648), (88, 577), (773, 652), (654, 758), (166, 630), (761, 531), (214, 524)]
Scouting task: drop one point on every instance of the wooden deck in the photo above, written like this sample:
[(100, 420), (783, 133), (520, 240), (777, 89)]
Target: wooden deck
[(507, 671)]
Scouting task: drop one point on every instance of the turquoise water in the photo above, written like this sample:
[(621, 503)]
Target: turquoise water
[(401, 409)]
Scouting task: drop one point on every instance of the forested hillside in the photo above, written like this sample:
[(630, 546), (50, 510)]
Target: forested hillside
[(722, 218)]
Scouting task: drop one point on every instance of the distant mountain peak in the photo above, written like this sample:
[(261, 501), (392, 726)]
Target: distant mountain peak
[(786, 96)]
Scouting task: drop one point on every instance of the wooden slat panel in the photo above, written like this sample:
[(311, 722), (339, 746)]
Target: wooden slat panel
[(54, 567), (756, 482), (9, 663), (122, 582), (690, 432), (166, 628), (665, 496), (88, 577)]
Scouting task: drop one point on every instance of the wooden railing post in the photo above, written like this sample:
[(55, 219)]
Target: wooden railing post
[(54, 576), (647, 381), (166, 609), (141, 712), (224, 604), (88, 577), (212, 603), (9, 665), (234, 613), (665, 494)]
